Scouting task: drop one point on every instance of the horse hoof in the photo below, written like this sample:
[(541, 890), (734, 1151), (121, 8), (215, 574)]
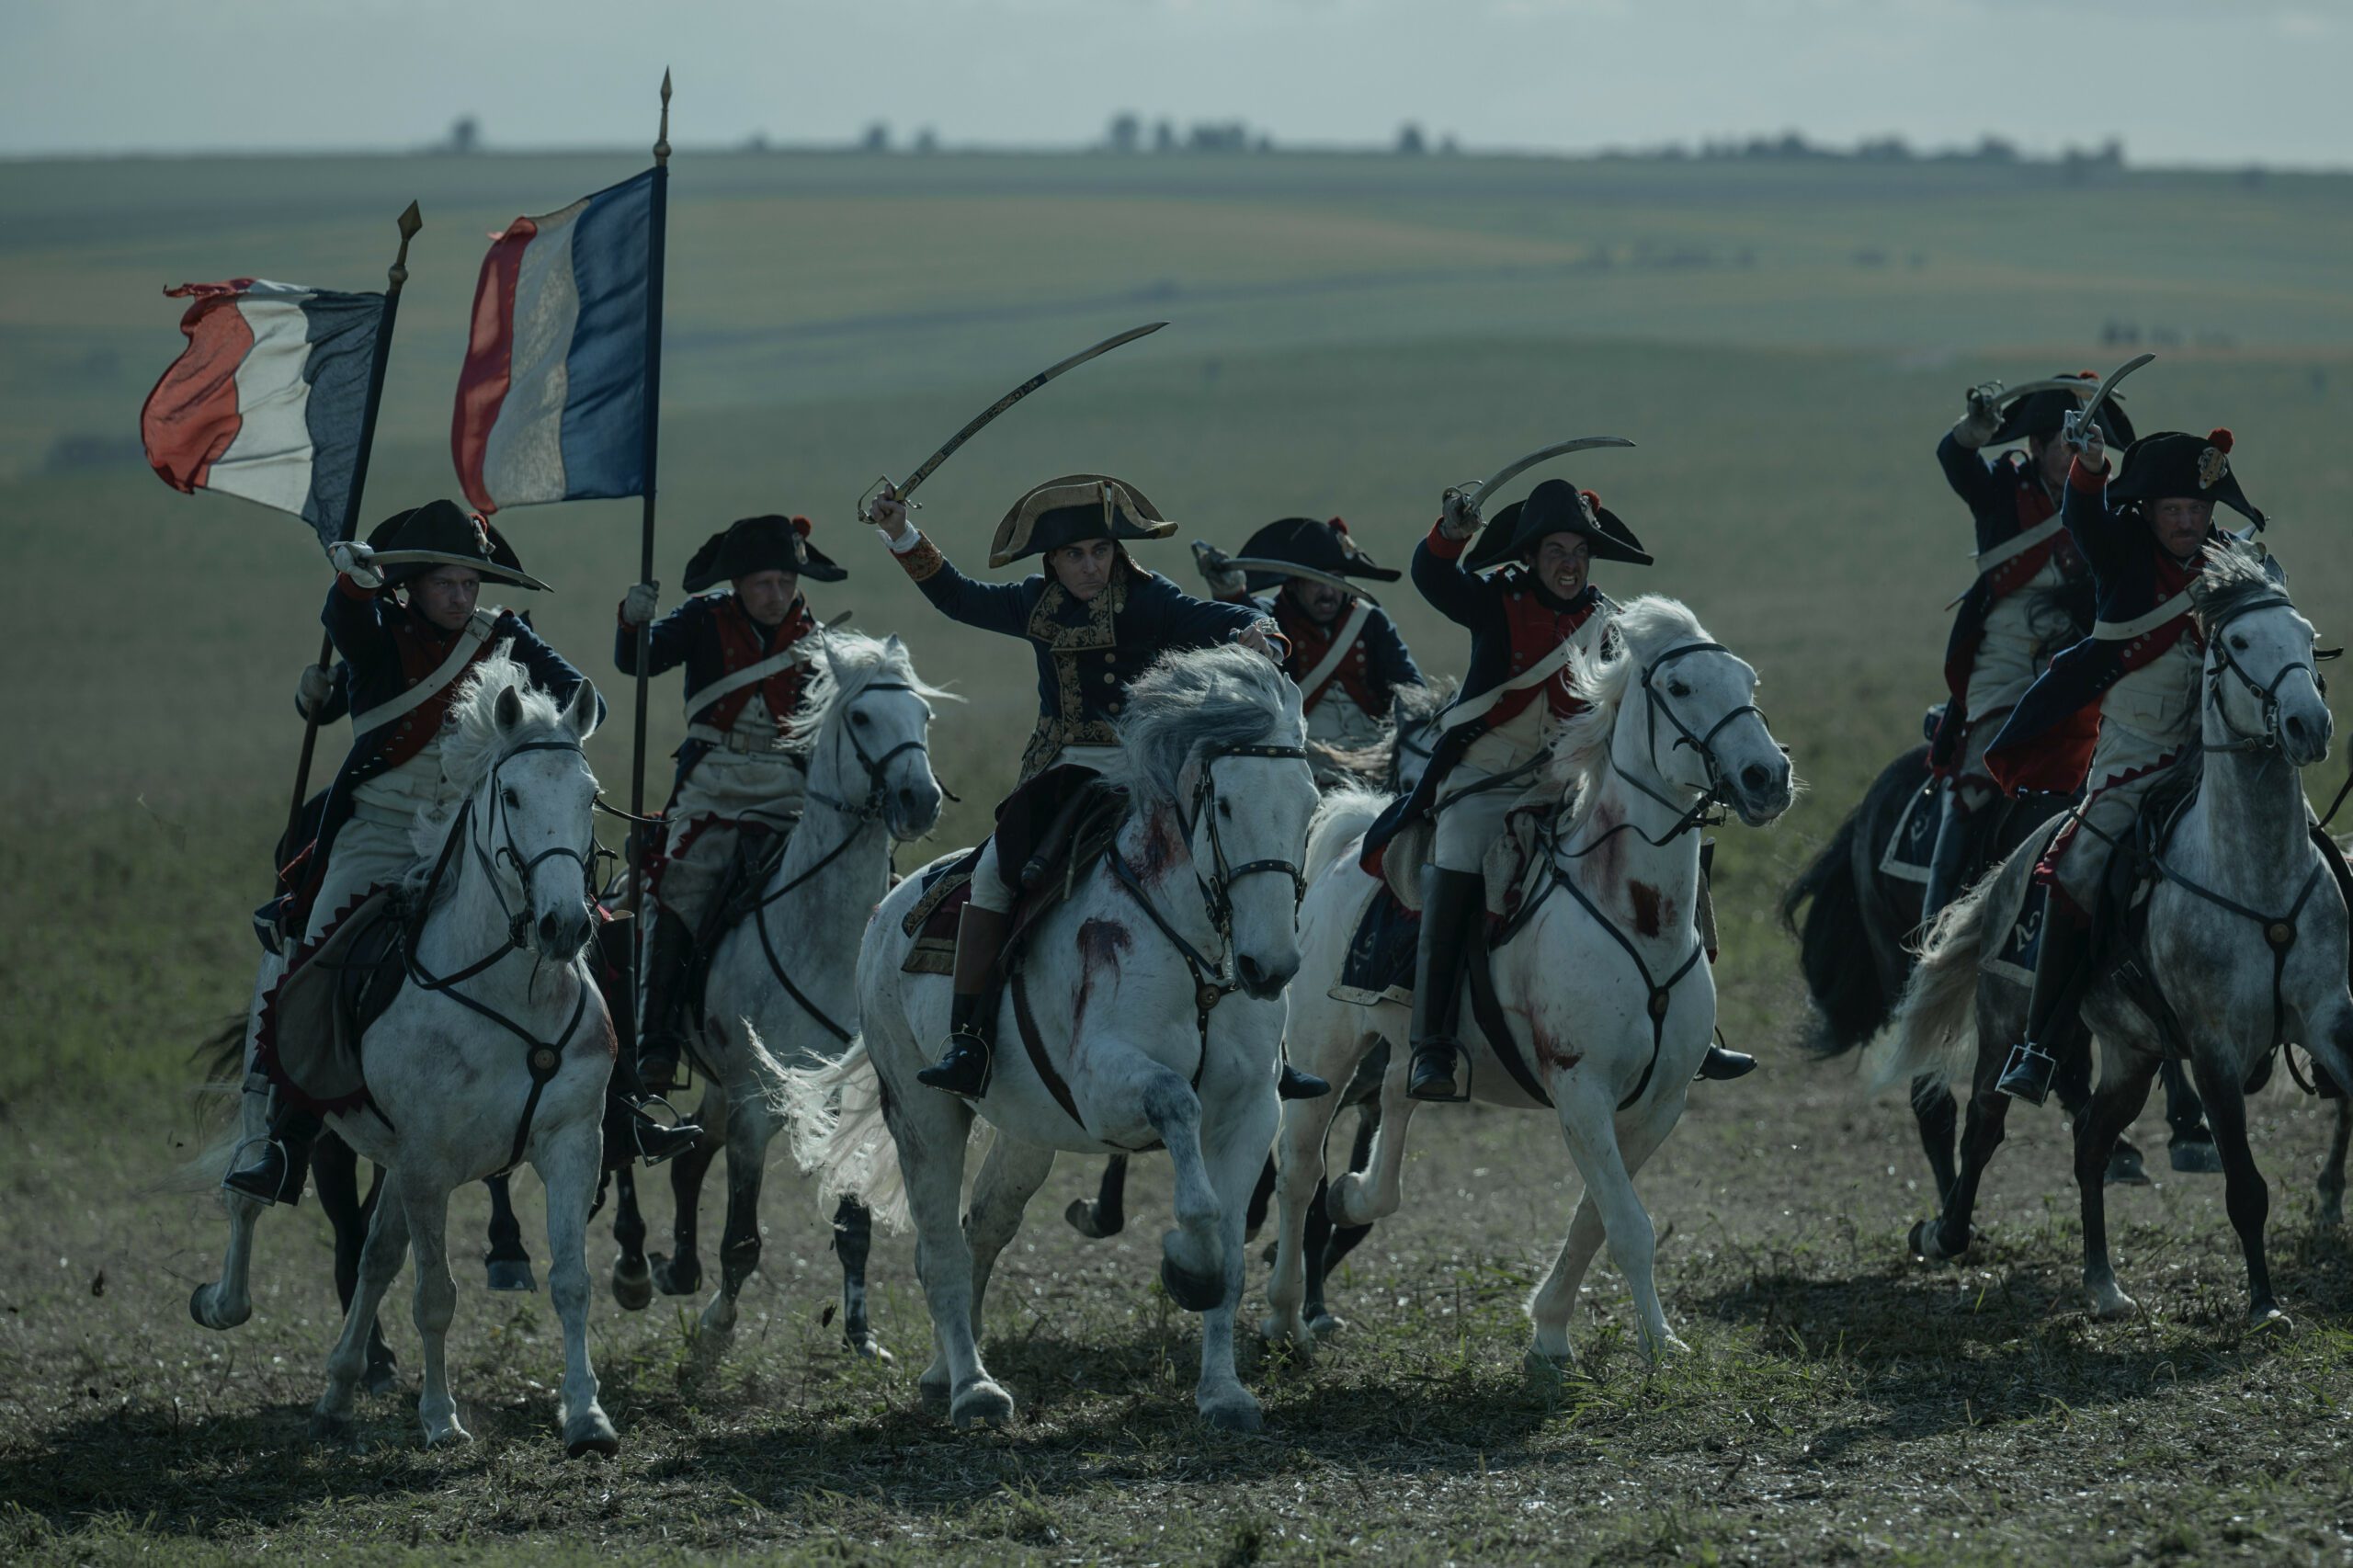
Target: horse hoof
[(2195, 1156), (381, 1375), (983, 1401), (1546, 1370), (2125, 1167), (933, 1397), (1194, 1293), (2270, 1323), (511, 1273), (451, 1436), (2112, 1305), (1233, 1414), (677, 1276), (1667, 1347), (199, 1307), (632, 1287), (1928, 1242), (1323, 1325), (592, 1433), (331, 1428), (1087, 1223), (867, 1346)]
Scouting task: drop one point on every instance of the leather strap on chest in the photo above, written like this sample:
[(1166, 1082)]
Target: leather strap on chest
[(471, 639), (795, 657), (1343, 641)]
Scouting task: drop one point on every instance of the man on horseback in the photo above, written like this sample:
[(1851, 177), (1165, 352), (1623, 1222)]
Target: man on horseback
[(1346, 656), (2117, 713), (746, 652), (2031, 597), (1526, 593), (408, 634), (1095, 621)]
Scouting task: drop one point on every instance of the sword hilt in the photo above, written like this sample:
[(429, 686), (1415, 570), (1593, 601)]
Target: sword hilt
[(866, 500)]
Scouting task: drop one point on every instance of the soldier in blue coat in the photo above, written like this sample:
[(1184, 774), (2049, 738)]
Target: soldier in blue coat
[(1095, 621), (408, 634), (746, 652)]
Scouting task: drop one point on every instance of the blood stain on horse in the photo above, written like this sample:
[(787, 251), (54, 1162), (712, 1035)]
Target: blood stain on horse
[(1649, 906), (1163, 845), (1100, 943)]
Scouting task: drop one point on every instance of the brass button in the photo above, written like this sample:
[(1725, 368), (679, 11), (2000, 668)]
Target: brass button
[(1111, 708)]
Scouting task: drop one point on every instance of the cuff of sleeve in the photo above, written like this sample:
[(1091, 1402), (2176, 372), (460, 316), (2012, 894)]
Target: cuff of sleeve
[(906, 542), (1445, 548), (351, 590), (2090, 481), (920, 560)]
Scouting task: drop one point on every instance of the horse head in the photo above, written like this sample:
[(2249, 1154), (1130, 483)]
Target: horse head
[(1216, 735), (2262, 688), (1678, 713), (532, 802), (866, 728)]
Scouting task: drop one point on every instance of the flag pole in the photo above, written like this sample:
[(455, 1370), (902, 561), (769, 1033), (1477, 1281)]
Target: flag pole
[(658, 222), (410, 221)]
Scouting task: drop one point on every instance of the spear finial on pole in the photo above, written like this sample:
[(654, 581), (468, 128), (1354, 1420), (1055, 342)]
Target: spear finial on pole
[(662, 140), (410, 222)]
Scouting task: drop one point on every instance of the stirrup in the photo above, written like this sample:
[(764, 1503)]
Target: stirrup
[(956, 1072), (2027, 1074), (1723, 1064), (1431, 1085), (264, 1180), (656, 1143)]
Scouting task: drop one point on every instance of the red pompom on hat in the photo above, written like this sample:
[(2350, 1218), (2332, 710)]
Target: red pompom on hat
[(2220, 436), (1339, 525), (802, 524), (2087, 375), (1591, 499)]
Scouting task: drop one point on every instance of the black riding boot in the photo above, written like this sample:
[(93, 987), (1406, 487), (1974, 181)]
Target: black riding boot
[(1947, 863), (276, 1174), (1294, 1084), (661, 1043), (629, 1122), (963, 1068), (1453, 914), (1721, 1065), (2058, 968)]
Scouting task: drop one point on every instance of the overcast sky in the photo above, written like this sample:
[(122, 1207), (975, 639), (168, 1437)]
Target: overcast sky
[(2180, 81)]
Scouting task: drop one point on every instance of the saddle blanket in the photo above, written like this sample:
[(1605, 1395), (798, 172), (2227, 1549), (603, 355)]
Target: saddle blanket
[(311, 1021), (1913, 846), (1379, 962)]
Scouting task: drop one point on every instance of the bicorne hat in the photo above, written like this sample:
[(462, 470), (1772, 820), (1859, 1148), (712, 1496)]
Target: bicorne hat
[(2044, 414), (446, 530), (1304, 542), (1555, 507), (1071, 510), (2175, 465), (767, 543)]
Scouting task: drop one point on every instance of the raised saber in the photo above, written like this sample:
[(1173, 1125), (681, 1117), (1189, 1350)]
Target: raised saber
[(931, 464), (2009, 396), (2082, 416), (443, 558), (1213, 558), (1479, 494)]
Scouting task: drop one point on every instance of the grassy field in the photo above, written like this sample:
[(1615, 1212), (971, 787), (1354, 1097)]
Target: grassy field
[(1349, 335)]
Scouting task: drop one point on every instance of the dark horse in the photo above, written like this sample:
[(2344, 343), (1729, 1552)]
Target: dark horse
[(1854, 947)]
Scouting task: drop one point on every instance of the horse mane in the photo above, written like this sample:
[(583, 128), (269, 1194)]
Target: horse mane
[(473, 740), (1640, 630), (2234, 580), (1417, 703), (845, 664), (1198, 697)]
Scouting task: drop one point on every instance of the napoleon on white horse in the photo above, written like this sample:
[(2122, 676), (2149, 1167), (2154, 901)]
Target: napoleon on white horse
[(1602, 983), (496, 1051), (1144, 1011)]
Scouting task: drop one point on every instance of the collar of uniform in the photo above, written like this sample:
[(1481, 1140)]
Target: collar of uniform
[(1582, 605), (1063, 623)]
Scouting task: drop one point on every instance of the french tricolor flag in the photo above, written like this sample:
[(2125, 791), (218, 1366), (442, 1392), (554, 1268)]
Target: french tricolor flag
[(268, 399), (551, 402)]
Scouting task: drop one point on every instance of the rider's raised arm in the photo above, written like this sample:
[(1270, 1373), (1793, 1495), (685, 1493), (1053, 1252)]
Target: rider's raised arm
[(354, 618), (669, 641), (1973, 478), (991, 607), (1461, 597), (2107, 539)]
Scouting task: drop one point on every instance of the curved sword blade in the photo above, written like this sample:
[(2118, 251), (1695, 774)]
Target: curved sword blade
[(442, 558), (2075, 384), (1512, 471), (1292, 568), (931, 463), (2082, 415)]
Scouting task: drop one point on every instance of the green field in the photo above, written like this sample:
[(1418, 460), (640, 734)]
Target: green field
[(1350, 334)]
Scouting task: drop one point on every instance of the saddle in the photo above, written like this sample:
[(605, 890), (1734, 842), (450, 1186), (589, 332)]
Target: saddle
[(758, 851), (313, 1019), (1054, 835)]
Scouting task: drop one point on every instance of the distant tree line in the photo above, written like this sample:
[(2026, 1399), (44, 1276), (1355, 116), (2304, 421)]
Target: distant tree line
[(1129, 133), (1792, 147)]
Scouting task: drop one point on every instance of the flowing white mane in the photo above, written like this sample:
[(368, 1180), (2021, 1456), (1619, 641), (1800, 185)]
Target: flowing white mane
[(473, 740), (1204, 697), (2234, 579), (845, 665), (1639, 632)]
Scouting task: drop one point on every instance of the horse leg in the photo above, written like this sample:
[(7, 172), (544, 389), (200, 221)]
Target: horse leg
[(632, 1279), (853, 1239), (226, 1301), (427, 1207), (1298, 1184), (334, 1170), (1254, 1216), (1950, 1234), (1192, 1255), (1233, 1152), (1105, 1214), (2244, 1194), (1609, 1209), (930, 1130), (2192, 1150), (568, 1169), (751, 1123), (2332, 1171), (1010, 1175), (508, 1261), (379, 1261), (2096, 1125), (1939, 1114), (1360, 1196), (681, 1272), (1328, 1245)]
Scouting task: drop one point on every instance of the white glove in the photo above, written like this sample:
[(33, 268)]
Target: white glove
[(888, 516), (1260, 636), (640, 604), (1460, 519), (1976, 427), (1224, 582), (317, 686), (356, 562), (2089, 444)]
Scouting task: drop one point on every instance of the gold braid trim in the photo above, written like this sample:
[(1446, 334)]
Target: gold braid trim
[(923, 561), (1068, 724)]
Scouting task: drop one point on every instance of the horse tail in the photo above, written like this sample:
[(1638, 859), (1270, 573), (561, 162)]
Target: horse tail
[(221, 1054), (1936, 1022), (1340, 820), (1850, 1002), (836, 1115), (220, 1057)]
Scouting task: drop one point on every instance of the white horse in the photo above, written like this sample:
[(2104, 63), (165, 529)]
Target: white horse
[(496, 1051), (1602, 984), (2246, 934), (1136, 1040), (781, 986)]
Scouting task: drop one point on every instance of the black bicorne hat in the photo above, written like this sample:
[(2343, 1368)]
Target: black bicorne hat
[(2175, 464), (1304, 542), (2044, 414), (1071, 510), (766, 543), (446, 530), (1555, 507)]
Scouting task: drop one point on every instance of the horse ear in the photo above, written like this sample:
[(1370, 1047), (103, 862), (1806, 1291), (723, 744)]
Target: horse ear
[(893, 644), (833, 661), (584, 709), (509, 711)]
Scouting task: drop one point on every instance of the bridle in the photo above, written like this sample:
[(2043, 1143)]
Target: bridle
[(2266, 694), (872, 807), (1704, 810)]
